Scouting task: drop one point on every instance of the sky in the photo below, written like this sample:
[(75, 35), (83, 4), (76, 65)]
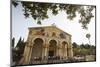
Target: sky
[(20, 25)]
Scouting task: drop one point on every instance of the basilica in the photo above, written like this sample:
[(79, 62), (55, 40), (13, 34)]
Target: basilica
[(47, 43)]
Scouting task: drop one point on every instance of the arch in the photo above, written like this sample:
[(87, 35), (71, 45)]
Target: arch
[(64, 42), (53, 40), (38, 41), (37, 48), (52, 48), (38, 37)]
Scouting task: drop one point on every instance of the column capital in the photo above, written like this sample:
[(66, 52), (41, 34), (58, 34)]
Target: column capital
[(29, 45), (45, 46), (59, 47)]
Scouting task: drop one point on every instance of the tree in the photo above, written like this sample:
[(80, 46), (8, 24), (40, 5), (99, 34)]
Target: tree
[(83, 52), (39, 11), (20, 46), (82, 46), (87, 46), (83, 49), (19, 43), (88, 36), (76, 49), (74, 45), (17, 52), (13, 42)]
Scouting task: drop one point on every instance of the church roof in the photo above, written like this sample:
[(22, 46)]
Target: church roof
[(49, 27)]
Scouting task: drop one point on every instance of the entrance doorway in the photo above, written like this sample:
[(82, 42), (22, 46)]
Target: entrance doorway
[(52, 48), (51, 53), (37, 49)]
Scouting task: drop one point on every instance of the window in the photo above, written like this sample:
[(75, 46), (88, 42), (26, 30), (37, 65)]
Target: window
[(53, 34), (62, 35)]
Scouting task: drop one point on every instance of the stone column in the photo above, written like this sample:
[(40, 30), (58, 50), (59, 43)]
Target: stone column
[(63, 51), (27, 53), (62, 54), (71, 50), (59, 51), (30, 51), (45, 51), (66, 51)]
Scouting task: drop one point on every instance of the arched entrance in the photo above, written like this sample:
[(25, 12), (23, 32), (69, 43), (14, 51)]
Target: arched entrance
[(52, 48), (37, 48)]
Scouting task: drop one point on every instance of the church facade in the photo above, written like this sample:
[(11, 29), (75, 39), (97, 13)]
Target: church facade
[(47, 42)]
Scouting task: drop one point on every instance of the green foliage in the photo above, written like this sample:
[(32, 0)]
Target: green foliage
[(13, 42), (20, 46), (74, 45), (17, 52), (88, 36), (38, 11), (83, 49), (14, 3)]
